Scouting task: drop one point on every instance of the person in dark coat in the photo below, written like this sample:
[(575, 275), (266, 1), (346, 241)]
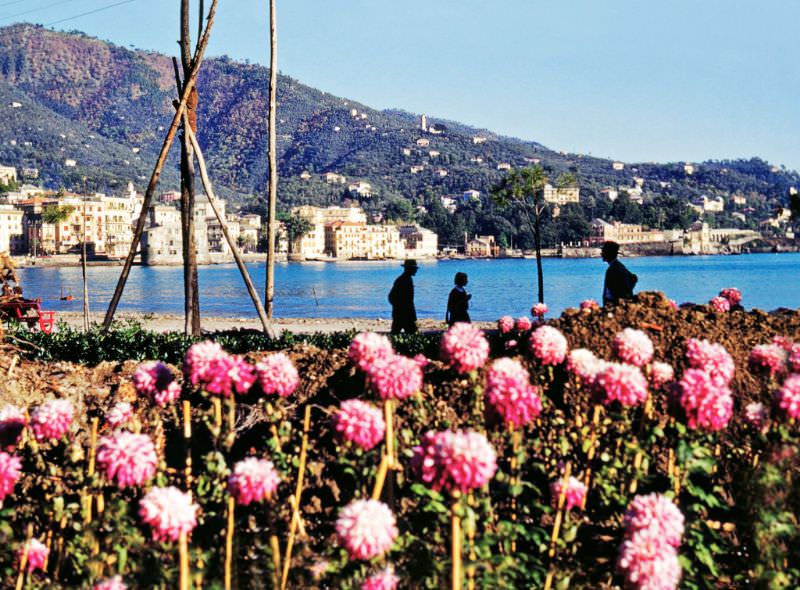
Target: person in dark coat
[(404, 314), (458, 301), (619, 282)]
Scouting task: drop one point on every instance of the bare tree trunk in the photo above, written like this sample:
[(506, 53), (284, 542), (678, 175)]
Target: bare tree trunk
[(201, 164), (537, 238), (83, 269), (190, 284), (272, 197), (159, 166)]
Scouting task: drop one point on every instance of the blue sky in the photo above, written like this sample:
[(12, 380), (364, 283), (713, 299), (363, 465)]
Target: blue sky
[(632, 80)]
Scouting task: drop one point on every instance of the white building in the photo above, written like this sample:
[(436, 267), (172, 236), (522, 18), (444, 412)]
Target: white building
[(561, 196), (12, 235), (360, 188), (418, 242), (8, 174), (471, 195)]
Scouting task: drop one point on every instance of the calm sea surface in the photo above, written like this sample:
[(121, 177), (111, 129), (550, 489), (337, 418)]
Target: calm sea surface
[(359, 289)]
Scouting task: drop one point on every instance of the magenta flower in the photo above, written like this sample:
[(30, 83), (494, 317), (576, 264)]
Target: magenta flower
[(128, 459), (383, 580), (711, 358), (656, 514), (770, 358), (523, 324), (209, 367), (119, 414), (154, 379), (732, 294), (505, 324), (511, 344), (633, 347), (366, 528), (794, 358), (585, 365), (454, 461), (242, 374), (720, 304), (647, 563), (397, 377), (37, 553), (755, 414), (789, 396), (368, 348), (277, 375), (464, 347), (589, 305), (12, 422), (52, 419), (574, 494), (548, 345), (114, 583), (510, 393), (784, 342), (623, 383), (661, 374), (360, 423), (708, 406), (421, 360), (539, 310), (9, 474), (253, 480), (169, 512)]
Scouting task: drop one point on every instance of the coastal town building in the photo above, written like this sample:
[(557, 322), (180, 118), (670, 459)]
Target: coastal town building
[(423, 142), (471, 195), (610, 193), (504, 166), (333, 178), (562, 195), (118, 217), (348, 241), (618, 166), (12, 239), (418, 242), (360, 188), (8, 175), (482, 247), (622, 233), (478, 139)]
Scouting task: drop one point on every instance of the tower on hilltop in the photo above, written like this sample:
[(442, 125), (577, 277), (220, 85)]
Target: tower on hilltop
[(423, 122)]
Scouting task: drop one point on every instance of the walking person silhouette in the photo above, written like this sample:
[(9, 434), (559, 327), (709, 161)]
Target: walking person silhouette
[(458, 301), (404, 314), (619, 281)]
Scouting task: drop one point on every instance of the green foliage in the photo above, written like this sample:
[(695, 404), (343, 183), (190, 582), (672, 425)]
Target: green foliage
[(54, 214)]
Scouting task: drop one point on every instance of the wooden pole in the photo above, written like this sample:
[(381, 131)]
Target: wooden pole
[(151, 187), (455, 548), (297, 493), (187, 443), (272, 197), (183, 552), (229, 543), (266, 323), (83, 267)]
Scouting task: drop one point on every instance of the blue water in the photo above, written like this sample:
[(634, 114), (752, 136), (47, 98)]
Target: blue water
[(359, 289)]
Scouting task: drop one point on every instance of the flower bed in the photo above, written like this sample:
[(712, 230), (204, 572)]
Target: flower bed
[(665, 450)]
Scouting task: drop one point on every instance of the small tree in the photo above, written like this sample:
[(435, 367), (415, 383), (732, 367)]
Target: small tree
[(524, 188), (295, 227), (55, 215)]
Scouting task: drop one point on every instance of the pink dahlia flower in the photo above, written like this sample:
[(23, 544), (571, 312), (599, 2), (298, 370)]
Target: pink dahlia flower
[(455, 461), (421, 360), (573, 495), (582, 363), (128, 459), (242, 374), (733, 295), (511, 344), (548, 345), (208, 366), (789, 396), (505, 324), (368, 348), (656, 514), (756, 415), (539, 310), (366, 528), (383, 580), (523, 324), (588, 305), (37, 553), (9, 474), (510, 393), (720, 304), (12, 422), (360, 423), (708, 406), (169, 512), (647, 563), (119, 414), (794, 358), (52, 419), (397, 377), (623, 383), (114, 583), (770, 358), (661, 374), (633, 347), (154, 379), (783, 341), (277, 375), (253, 480), (711, 358), (464, 347)]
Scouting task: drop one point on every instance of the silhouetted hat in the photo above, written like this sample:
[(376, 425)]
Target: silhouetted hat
[(410, 263)]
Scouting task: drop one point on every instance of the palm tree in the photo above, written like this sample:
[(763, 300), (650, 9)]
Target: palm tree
[(56, 215)]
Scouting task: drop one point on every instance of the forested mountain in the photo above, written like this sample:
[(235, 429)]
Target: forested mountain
[(66, 96)]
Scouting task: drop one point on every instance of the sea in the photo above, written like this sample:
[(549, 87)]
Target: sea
[(359, 289)]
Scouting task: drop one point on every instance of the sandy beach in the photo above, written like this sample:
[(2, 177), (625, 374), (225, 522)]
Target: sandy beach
[(175, 323)]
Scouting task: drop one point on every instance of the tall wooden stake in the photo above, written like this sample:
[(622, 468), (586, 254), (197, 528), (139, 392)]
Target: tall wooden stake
[(188, 85), (272, 197), (83, 268)]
